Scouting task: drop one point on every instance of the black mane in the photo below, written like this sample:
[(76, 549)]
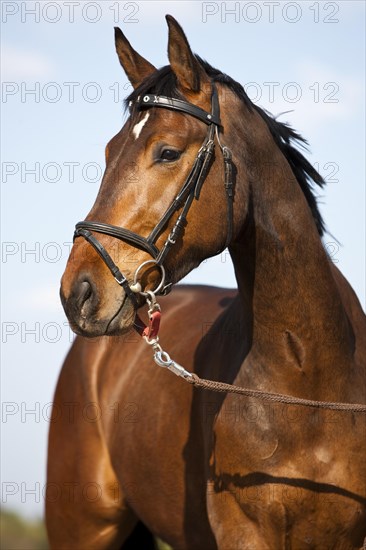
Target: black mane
[(163, 82)]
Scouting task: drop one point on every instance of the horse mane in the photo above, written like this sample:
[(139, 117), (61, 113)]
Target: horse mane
[(163, 82)]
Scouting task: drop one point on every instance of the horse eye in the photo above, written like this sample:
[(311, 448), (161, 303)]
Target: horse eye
[(169, 155)]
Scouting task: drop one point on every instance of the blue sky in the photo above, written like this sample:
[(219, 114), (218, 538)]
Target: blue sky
[(62, 94)]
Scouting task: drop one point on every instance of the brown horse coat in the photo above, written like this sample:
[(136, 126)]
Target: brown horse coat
[(130, 442)]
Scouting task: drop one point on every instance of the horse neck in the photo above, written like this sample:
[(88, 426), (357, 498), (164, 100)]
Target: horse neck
[(284, 276)]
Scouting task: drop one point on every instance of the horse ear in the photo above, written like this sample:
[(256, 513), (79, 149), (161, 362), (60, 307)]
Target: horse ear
[(186, 67), (135, 66)]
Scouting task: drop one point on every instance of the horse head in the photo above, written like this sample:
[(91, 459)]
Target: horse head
[(157, 167)]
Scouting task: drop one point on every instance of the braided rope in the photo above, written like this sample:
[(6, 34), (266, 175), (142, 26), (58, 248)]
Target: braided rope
[(275, 397), (163, 359)]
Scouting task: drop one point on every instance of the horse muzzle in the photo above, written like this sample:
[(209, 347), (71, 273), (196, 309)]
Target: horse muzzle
[(90, 315)]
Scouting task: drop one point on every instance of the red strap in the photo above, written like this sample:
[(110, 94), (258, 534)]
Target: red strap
[(152, 329)]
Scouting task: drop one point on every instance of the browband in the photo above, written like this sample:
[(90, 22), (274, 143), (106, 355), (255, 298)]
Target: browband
[(150, 100)]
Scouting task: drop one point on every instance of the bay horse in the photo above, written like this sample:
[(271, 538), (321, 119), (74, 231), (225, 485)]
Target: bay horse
[(136, 453)]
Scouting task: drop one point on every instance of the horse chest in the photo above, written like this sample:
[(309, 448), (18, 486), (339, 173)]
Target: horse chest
[(284, 469)]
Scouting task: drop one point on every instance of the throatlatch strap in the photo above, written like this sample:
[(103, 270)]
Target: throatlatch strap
[(229, 188)]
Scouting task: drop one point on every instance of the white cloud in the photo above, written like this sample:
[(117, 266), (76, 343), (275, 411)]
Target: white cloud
[(18, 64)]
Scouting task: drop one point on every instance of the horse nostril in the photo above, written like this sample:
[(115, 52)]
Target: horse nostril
[(83, 293), (81, 305)]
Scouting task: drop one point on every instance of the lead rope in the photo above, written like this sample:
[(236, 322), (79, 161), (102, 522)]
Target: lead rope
[(163, 359)]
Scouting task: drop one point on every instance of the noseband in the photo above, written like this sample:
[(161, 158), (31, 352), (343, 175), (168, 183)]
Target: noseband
[(189, 191)]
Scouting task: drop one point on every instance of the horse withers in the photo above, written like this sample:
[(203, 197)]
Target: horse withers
[(141, 453)]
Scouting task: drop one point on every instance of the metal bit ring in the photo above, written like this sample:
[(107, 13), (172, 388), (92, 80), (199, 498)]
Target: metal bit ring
[(136, 285)]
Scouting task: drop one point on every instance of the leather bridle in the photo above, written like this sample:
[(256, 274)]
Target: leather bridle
[(183, 200), (189, 191)]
